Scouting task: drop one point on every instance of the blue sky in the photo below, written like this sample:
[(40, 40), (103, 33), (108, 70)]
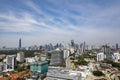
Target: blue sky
[(51, 21)]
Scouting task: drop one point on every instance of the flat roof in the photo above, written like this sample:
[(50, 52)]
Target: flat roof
[(54, 73), (40, 62)]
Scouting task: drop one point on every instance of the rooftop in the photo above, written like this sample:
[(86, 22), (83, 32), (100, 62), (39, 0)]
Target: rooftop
[(57, 74)]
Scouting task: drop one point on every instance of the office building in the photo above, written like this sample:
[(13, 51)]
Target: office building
[(72, 50), (116, 46), (68, 63), (20, 56), (55, 74), (106, 49), (3, 67), (116, 57), (56, 57), (84, 47), (30, 60), (66, 53), (20, 44), (43, 57), (38, 70), (72, 43), (11, 62), (101, 56)]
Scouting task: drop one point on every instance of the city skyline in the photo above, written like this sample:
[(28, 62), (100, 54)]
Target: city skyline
[(51, 21)]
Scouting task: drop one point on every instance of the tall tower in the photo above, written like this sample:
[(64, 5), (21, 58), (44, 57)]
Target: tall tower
[(117, 46), (84, 46), (20, 43), (72, 43)]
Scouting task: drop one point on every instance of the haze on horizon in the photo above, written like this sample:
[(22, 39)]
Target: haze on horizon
[(54, 21)]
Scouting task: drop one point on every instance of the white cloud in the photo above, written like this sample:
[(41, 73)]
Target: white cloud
[(95, 24), (25, 23)]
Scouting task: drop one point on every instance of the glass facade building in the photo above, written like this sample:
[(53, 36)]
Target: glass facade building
[(39, 69)]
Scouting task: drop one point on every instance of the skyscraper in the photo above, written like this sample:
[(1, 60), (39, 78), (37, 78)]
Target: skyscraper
[(117, 46), (84, 46), (72, 43), (20, 43)]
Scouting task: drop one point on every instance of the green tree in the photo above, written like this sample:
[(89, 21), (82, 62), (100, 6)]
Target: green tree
[(20, 68), (1, 60), (28, 67), (80, 61), (98, 73), (116, 65)]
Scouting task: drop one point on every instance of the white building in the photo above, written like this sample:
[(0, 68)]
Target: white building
[(55, 74), (66, 53), (101, 56), (3, 67), (43, 57), (37, 57), (20, 56), (68, 63), (90, 66), (30, 60), (72, 50), (116, 57), (10, 62)]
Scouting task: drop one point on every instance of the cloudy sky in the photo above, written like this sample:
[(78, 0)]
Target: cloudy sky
[(51, 21)]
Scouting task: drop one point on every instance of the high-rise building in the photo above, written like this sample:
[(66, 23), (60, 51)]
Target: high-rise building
[(72, 43), (101, 56), (11, 62), (84, 46), (56, 57), (66, 53), (20, 56), (106, 49), (116, 46), (20, 44)]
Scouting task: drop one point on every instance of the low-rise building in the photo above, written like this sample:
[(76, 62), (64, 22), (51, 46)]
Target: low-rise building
[(43, 57), (30, 59), (3, 66), (38, 69), (20, 56), (116, 57), (55, 74), (2, 56)]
